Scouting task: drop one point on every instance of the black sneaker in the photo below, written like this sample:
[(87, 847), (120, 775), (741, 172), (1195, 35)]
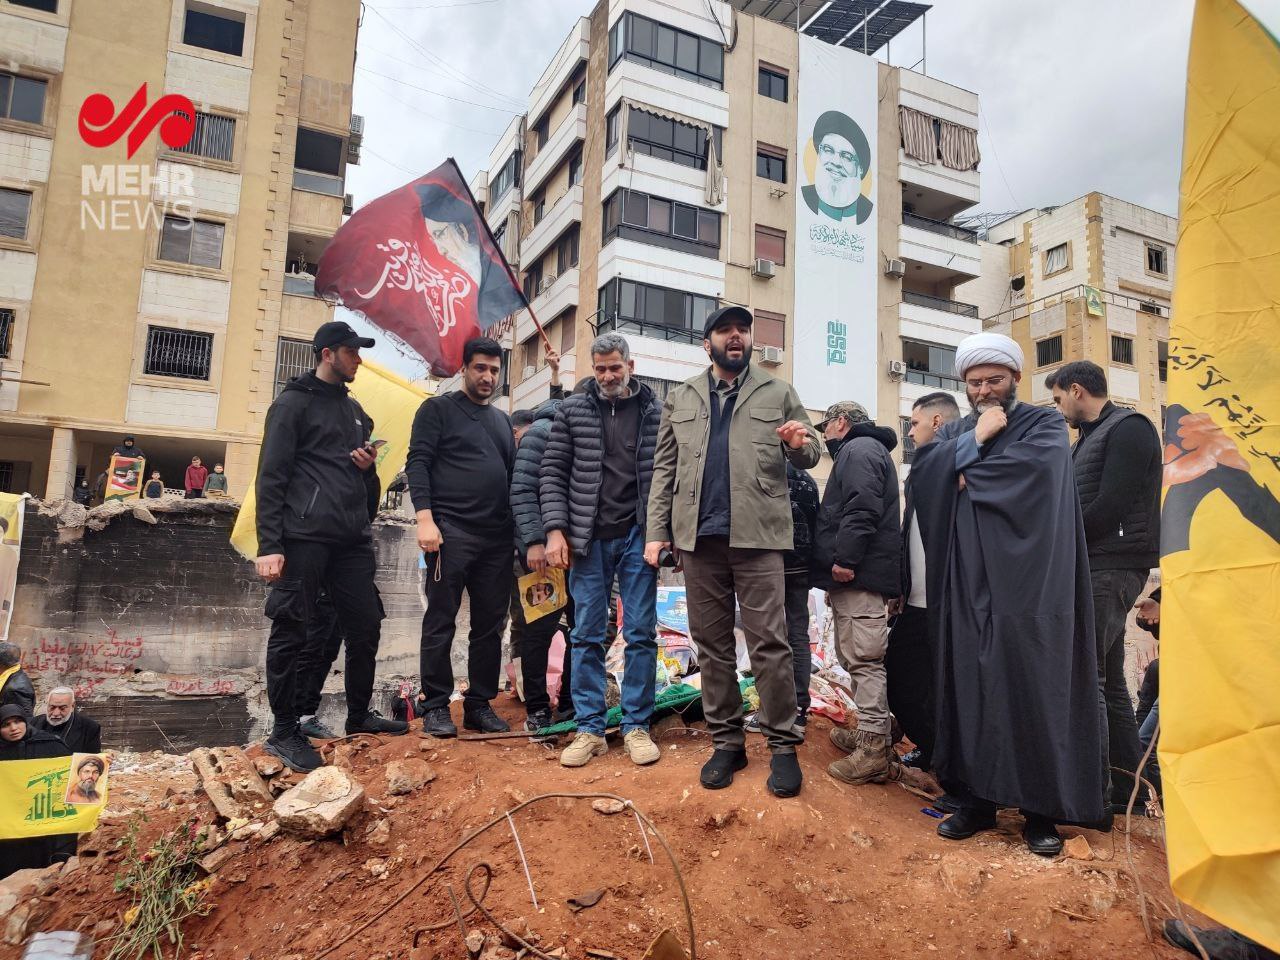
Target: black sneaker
[(436, 722), (717, 773), (537, 720), (561, 715), (784, 775), (313, 728), (294, 751), (484, 720), (374, 722)]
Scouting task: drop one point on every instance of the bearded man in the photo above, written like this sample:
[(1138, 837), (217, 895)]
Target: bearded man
[(1018, 716), (844, 156)]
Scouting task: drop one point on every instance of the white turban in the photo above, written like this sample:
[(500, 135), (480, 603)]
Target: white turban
[(980, 348)]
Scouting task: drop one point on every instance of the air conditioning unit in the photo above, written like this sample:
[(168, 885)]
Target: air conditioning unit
[(895, 268), (546, 283), (897, 369), (764, 268), (357, 125), (771, 355), (348, 204), (528, 372)]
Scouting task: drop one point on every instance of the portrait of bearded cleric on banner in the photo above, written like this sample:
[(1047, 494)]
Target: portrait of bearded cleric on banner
[(843, 158)]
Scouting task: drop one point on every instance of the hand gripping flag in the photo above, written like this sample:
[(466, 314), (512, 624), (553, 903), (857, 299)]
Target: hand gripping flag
[(1220, 523), (421, 264)]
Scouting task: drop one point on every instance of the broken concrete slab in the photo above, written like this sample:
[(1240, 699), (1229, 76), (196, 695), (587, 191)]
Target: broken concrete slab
[(321, 804), (231, 782), (406, 776)]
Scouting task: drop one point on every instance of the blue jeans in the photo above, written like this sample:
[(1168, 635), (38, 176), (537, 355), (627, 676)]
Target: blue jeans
[(590, 578), (1145, 736)]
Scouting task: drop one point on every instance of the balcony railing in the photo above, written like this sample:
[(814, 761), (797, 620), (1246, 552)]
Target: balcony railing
[(940, 303), (940, 227), (657, 331), (927, 379)]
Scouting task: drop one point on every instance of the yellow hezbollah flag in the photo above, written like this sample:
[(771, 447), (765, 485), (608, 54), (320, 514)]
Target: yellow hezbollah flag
[(58, 795), (1220, 669), (392, 402)]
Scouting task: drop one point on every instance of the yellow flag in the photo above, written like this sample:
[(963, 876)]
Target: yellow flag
[(1220, 629), (392, 402), (58, 795)]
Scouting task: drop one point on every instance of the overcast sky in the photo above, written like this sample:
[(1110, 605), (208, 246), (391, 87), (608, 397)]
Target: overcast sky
[(1078, 96)]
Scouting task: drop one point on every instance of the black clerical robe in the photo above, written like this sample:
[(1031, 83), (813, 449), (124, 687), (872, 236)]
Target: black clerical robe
[(1018, 716)]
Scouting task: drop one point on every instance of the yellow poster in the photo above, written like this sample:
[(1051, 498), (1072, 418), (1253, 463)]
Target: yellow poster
[(542, 593), (1220, 525), (1093, 301), (12, 511), (124, 478), (391, 402), (58, 795)]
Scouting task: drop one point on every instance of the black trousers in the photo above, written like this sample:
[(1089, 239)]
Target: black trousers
[(324, 640), (796, 603), (1114, 593), (347, 570), (909, 670), (481, 565)]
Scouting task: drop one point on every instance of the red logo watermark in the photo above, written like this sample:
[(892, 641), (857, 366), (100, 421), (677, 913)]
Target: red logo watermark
[(101, 126)]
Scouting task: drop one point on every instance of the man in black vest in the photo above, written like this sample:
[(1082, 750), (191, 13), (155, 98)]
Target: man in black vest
[(1117, 464)]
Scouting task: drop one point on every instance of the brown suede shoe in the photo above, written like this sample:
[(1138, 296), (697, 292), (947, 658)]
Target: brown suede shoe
[(866, 764), (844, 739)]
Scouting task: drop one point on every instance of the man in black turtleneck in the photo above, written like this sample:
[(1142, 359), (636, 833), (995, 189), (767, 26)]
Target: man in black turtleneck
[(857, 558)]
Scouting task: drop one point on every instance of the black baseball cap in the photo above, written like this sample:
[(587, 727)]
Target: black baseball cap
[(724, 315), (338, 333)]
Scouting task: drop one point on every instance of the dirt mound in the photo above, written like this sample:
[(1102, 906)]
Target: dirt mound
[(837, 873)]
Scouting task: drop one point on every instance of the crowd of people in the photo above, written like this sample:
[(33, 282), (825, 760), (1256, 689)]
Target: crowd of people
[(986, 614), (198, 481)]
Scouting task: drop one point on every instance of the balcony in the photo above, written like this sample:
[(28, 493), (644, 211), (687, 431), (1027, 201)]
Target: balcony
[(935, 189), (575, 49), (940, 303), (564, 213), (938, 252), (571, 131), (557, 295)]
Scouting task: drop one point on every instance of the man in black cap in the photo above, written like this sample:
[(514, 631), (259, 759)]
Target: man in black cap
[(844, 156), (315, 476), (719, 496)]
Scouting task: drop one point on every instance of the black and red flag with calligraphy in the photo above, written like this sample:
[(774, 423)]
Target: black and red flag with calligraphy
[(422, 265)]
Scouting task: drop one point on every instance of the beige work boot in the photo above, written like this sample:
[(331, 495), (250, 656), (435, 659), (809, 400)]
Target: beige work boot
[(640, 747), (866, 764), (844, 738), (584, 747)]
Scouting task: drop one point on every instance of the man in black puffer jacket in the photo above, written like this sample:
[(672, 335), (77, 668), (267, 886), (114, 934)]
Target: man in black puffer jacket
[(315, 476), (857, 558), (593, 489)]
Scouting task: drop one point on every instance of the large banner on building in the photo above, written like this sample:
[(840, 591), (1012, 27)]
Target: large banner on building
[(836, 256)]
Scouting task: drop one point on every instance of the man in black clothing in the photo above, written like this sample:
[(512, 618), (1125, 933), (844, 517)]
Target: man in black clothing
[(315, 477), (909, 661), (81, 733), (128, 448), (15, 685), (461, 455), (1118, 464), (803, 492)]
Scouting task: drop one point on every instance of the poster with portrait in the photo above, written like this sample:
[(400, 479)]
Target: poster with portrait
[(54, 795), (124, 478), (837, 255), (12, 510), (542, 593)]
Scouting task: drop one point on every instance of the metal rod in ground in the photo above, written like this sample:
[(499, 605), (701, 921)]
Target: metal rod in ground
[(523, 862)]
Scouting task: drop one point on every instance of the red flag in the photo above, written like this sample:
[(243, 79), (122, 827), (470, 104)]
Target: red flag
[(421, 264)]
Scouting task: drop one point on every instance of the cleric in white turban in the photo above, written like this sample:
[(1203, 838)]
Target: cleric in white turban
[(1017, 695)]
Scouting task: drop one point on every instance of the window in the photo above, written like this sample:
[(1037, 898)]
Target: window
[(640, 308), (530, 354), (504, 385), (772, 83), (178, 353), (1147, 306), (1162, 359), (771, 244), (15, 212), (532, 281), (539, 210), (931, 365), (542, 130), (48, 6), (318, 152), (771, 163), (1048, 351), (770, 329), (611, 125), (1121, 350), (214, 31), (214, 137), (6, 476), (1157, 260), (7, 322), (197, 242), (1055, 259), (567, 250), (575, 169), (22, 98), (580, 92), (293, 359), (662, 137), (633, 215), (506, 178), (908, 445), (664, 48), (568, 330)]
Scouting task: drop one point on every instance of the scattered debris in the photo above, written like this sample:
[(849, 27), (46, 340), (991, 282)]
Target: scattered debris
[(321, 804), (231, 781), (584, 900), (608, 807), (1077, 848), (666, 946), (378, 834), (406, 776), (267, 765)]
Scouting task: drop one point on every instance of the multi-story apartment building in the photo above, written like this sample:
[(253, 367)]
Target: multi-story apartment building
[(164, 293), (1089, 280), (661, 170)]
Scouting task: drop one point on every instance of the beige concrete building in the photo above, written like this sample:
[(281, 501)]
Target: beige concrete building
[(169, 293), (1089, 280), (654, 178)]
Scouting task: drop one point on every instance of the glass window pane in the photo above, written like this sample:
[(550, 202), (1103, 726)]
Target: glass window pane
[(659, 214), (638, 125), (640, 39), (686, 222), (655, 305), (674, 314), (206, 244), (665, 45), (627, 303), (15, 210), (175, 240), (661, 131), (762, 82), (687, 52), (662, 153), (686, 137), (637, 209), (709, 227), (28, 100), (712, 62)]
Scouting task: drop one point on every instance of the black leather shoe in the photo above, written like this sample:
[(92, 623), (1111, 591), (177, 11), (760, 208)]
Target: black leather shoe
[(947, 803), (717, 773), (484, 720), (968, 821), (1042, 837), (785, 777), (374, 722), (1218, 944), (294, 751), (438, 723)]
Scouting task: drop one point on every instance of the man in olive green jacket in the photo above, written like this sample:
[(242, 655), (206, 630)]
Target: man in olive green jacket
[(719, 494)]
